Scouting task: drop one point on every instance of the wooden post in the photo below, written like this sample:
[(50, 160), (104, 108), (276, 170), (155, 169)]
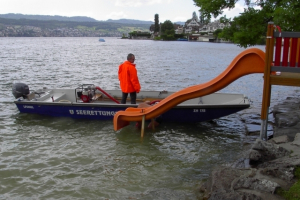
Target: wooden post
[(267, 86), (143, 126)]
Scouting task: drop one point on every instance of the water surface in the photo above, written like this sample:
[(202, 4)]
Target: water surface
[(60, 158)]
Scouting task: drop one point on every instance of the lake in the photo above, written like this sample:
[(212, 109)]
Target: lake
[(43, 157)]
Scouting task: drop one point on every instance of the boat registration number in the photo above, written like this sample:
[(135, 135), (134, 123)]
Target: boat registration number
[(199, 110)]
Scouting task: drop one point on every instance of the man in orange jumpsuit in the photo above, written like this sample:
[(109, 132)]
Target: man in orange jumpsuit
[(129, 81)]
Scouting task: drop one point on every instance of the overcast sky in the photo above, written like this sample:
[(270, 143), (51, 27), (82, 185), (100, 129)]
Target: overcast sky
[(174, 10)]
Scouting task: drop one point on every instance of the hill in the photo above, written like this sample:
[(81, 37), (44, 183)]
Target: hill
[(75, 19), (71, 19), (65, 27), (19, 25), (129, 21), (47, 17)]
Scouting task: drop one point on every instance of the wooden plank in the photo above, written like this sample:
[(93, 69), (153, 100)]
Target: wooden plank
[(278, 51), (285, 69), (293, 53), (287, 34), (298, 53), (143, 126), (286, 79), (285, 54)]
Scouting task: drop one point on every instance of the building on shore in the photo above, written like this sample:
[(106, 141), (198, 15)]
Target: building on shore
[(196, 30)]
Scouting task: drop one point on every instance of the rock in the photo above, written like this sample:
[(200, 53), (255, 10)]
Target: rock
[(221, 179), (264, 151), (256, 184), (284, 172), (287, 119), (255, 155), (238, 184), (234, 196), (242, 163), (266, 166), (297, 140), (253, 123), (289, 105), (280, 139), (289, 131), (219, 185)]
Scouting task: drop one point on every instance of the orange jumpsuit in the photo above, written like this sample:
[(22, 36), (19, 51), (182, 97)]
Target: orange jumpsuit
[(129, 81)]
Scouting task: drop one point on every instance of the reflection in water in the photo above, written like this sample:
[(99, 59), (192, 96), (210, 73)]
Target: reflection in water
[(44, 157)]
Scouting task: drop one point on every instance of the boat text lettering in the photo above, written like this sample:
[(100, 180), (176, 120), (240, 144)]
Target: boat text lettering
[(93, 112), (199, 110), (31, 107)]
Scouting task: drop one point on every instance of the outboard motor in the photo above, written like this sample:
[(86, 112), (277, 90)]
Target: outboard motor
[(20, 90), (85, 97)]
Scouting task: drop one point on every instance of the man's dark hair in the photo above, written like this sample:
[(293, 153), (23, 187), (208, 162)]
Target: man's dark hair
[(130, 56)]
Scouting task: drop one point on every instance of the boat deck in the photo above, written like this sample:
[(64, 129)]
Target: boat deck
[(69, 96)]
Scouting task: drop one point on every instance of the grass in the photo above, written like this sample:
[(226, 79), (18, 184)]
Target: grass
[(294, 192)]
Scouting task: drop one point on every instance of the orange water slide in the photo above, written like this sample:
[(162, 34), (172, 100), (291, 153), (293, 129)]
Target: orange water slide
[(247, 62)]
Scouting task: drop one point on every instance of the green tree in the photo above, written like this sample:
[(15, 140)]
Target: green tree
[(169, 35), (287, 14), (201, 18), (195, 16), (167, 29), (216, 33), (156, 23), (225, 20), (209, 8), (167, 25), (250, 27)]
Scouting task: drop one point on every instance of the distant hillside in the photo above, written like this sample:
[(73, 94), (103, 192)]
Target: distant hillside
[(134, 21), (72, 19), (181, 23), (130, 21), (54, 28), (19, 25), (75, 19), (47, 17)]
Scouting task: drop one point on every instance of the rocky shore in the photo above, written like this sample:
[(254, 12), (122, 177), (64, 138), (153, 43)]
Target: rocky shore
[(265, 166)]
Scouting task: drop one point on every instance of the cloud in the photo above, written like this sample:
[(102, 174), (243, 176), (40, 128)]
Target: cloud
[(138, 3), (230, 13), (179, 19), (116, 15)]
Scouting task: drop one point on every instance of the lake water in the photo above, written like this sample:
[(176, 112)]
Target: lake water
[(60, 158)]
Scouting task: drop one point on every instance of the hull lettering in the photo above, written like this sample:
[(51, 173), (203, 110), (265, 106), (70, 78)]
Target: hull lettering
[(93, 112), (30, 107)]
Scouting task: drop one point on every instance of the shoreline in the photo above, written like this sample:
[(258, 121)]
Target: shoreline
[(265, 166)]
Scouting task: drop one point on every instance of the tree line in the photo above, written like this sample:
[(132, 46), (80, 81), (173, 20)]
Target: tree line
[(250, 26)]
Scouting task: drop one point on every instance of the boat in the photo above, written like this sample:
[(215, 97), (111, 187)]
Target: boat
[(182, 39), (101, 40), (88, 101)]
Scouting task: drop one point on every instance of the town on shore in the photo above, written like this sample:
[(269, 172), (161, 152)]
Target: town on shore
[(193, 29)]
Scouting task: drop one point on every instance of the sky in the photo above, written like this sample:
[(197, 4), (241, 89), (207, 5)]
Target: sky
[(173, 10)]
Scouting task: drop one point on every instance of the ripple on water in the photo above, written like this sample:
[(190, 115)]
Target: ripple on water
[(59, 158)]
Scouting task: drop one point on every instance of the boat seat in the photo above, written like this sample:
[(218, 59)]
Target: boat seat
[(56, 96), (59, 96), (31, 96), (200, 100)]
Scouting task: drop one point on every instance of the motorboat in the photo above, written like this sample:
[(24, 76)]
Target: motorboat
[(88, 101)]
